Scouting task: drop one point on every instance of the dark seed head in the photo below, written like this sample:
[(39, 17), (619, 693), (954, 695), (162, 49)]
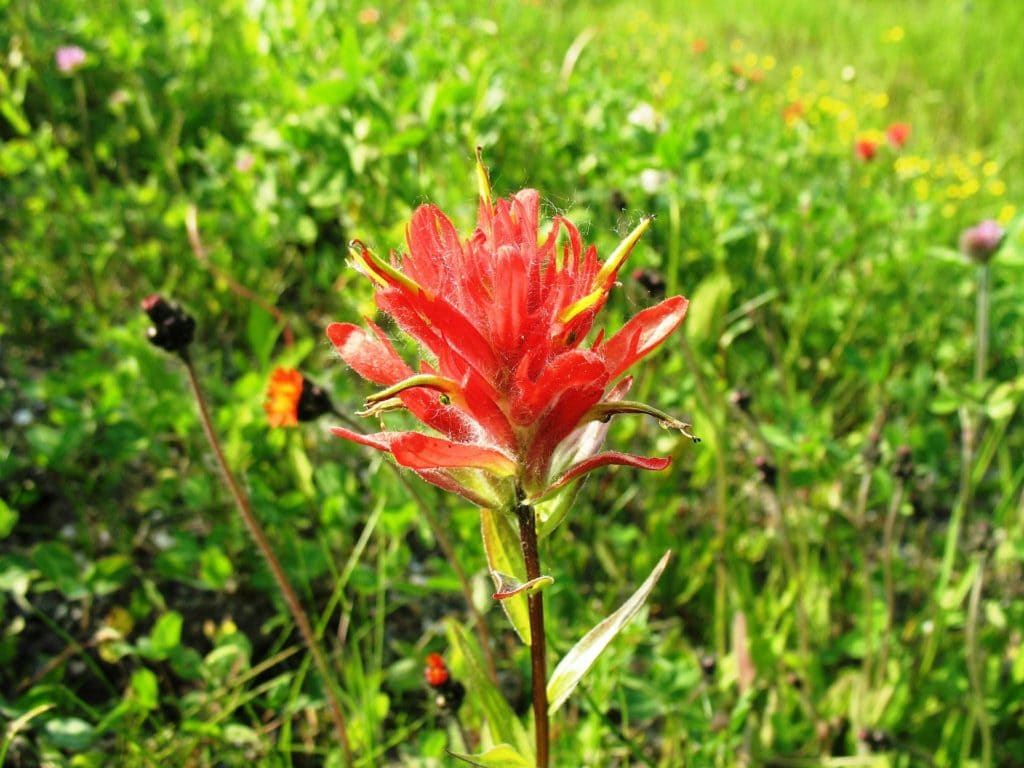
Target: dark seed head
[(173, 328)]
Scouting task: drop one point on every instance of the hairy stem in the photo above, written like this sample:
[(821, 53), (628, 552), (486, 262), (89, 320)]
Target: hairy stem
[(538, 647), (263, 544)]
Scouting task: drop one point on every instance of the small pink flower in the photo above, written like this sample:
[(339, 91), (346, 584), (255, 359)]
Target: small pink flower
[(245, 162), (69, 58), (980, 242)]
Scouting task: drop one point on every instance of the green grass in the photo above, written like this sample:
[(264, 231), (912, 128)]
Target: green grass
[(827, 363)]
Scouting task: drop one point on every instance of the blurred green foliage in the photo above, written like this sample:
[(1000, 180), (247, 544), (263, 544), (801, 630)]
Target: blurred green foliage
[(830, 343)]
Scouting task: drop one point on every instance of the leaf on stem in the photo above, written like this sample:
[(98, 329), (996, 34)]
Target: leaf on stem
[(509, 586), (501, 756), (581, 658), (501, 544)]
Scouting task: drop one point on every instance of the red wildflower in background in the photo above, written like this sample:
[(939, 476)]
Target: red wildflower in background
[(511, 383), (898, 134), (698, 46), (436, 672), (866, 148)]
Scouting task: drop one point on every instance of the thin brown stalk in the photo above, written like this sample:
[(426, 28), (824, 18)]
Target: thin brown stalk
[(263, 544), (538, 646), (199, 250)]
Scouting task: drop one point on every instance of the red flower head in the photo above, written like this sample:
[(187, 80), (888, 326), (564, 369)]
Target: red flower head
[(516, 395), (898, 134), (866, 148), (436, 672)]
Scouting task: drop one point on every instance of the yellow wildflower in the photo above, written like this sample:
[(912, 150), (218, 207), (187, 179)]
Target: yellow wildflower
[(893, 34)]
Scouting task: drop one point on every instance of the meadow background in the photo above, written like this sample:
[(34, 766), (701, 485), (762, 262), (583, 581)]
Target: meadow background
[(846, 588)]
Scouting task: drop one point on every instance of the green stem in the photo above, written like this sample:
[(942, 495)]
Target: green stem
[(83, 118), (263, 544), (981, 324), (714, 414), (974, 669), (888, 535), (538, 647)]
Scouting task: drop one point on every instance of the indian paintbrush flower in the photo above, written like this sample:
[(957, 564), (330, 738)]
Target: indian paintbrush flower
[(517, 396), (292, 398)]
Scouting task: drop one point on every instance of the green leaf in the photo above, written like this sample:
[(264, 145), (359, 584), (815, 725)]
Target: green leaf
[(501, 756), (215, 567), (551, 512), (501, 545), (70, 733), (707, 306), (145, 688), (165, 637), (509, 586), (8, 519), (502, 722), (581, 658)]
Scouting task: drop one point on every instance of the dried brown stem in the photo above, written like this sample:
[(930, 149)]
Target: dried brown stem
[(192, 227), (263, 544)]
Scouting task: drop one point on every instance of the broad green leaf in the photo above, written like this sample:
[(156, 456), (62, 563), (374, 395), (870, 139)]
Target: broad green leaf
[(501, 756), (581, 658), (502, 722), (164, 638), (70, 733), (145, 688), (501, 544)]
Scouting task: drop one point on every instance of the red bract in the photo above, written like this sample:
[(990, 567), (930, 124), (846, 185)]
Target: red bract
[(511, 384)]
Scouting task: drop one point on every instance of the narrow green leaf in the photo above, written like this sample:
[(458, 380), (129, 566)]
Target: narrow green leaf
[(8, 519), (581, 658), (501, 544), (501, 756), (502, 722)]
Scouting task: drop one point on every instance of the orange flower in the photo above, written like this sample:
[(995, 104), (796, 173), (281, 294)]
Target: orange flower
[(283, 395), (793, 112), (698, 46), (898, 134)]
